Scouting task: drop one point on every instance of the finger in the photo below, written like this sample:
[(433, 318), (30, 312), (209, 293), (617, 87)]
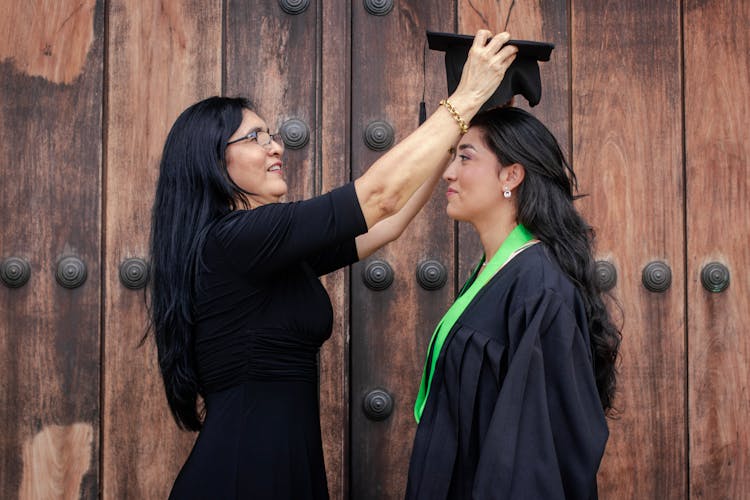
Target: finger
[(480, 39), (510, 59), (498, 41), (507, 52), (504, 63)]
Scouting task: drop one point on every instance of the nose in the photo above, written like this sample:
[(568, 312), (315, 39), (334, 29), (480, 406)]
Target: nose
[(275, 147), (450, 171)]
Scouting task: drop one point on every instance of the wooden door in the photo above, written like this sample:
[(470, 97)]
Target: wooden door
[(289, 58), (613, 95), (191, 50), (391, 327), (51, 75), (392, 323), (162, 57), (717, 150), (648, 99), (627, 147)]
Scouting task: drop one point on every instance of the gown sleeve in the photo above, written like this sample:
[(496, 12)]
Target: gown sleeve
[(273, 237), (547, 431)]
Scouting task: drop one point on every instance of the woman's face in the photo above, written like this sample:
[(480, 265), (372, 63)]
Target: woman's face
[(475, 189), (254, 167)]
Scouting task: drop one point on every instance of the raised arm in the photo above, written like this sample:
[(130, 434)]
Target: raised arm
[(391, 228), (392, 180)]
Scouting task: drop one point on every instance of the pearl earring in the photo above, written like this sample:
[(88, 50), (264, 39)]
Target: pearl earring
[(506, 192)]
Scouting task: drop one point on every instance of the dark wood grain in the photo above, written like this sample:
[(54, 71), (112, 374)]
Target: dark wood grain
[(391, 329), (79, 154), (332, 129), (271, 58), (162, 58), (717, 107), (51, 74), (627, 151)]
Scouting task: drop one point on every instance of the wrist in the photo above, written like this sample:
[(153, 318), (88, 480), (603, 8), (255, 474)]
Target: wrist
[(467, 106), (462, 125)]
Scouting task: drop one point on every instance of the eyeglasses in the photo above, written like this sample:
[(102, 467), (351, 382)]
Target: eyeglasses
[(261, 137)]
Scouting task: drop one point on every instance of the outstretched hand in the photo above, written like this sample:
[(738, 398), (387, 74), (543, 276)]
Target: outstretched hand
[(484, 70)]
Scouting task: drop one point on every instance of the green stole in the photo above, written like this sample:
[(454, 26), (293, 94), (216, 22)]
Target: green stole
[(516, 240)]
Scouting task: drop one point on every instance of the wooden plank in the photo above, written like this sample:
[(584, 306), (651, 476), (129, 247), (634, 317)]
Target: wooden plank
[(627, 150), (391, 328), (51, 60), (543, 21), (271, 57), (332, 133), (163, 56), (717, 97)]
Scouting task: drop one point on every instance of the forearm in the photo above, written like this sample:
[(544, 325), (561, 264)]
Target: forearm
[(388, 184), (392, 227)]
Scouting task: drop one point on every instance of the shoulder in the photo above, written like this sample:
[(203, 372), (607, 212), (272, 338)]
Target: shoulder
[(535, 272), (530, 284), (239, 220), (341, 201)]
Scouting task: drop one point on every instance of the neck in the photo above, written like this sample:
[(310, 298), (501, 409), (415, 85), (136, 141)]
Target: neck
[(493, 232)]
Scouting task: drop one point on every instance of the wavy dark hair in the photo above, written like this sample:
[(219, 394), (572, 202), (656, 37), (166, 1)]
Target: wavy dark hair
[(545, 207), (193, 190)]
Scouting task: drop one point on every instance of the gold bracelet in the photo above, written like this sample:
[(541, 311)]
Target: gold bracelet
[(455, 115)]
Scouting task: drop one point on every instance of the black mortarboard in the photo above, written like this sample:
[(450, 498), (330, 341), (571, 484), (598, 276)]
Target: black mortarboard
[(522, 77)]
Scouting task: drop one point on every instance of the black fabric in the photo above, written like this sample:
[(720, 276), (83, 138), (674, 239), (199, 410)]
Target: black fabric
[(261, 316), (521, 78), (513, 411)]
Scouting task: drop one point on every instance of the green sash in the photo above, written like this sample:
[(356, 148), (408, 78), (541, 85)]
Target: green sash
[(519, 237)]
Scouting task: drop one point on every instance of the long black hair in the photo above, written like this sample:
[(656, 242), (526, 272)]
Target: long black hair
[(545, 207), (192, 192)]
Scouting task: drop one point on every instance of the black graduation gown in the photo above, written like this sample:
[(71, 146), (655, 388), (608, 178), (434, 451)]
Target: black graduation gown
[(513, 411)]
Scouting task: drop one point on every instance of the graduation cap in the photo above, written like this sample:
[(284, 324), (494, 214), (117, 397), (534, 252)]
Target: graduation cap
[(522, 77)]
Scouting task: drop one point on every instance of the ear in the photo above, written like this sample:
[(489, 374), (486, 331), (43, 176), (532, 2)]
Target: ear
[(512, 175)]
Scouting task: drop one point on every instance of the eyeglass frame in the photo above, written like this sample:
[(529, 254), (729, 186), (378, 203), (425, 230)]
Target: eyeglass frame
[(253, 135)]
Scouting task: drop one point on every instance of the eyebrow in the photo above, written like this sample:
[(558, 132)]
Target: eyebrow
[(466, 146), (254, 129)]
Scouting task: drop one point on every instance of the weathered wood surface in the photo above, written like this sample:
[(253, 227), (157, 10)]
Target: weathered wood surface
[(79, 156), (162, 58), (51, 69), (627, 150), (333, 121), (717, 107), (392, 328)]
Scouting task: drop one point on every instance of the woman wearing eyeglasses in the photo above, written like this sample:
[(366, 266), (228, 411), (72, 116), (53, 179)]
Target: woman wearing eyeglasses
[(236, 307)]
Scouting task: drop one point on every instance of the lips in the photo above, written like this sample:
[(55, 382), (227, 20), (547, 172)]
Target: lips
[(450, 192), (276, 167)]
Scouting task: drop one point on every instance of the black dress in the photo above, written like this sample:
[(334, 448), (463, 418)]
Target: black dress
[(513, 411), (262, 315)]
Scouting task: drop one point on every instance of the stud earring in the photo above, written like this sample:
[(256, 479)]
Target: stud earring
[(506, 192)]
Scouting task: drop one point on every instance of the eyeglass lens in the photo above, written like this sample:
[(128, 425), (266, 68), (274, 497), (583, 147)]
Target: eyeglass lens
[(265, 138)]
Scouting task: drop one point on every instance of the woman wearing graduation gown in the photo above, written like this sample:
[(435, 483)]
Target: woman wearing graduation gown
[(236, 307), (521, 370)]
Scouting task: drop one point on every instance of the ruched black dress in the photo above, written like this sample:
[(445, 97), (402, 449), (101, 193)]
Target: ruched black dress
[(262, 314)]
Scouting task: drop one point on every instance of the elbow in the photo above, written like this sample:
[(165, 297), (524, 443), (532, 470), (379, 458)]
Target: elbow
[(396, 234), (378, 200), (384, 203), (389, 205)]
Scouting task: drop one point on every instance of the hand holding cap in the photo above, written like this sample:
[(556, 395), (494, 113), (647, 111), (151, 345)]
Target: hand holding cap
[(469, 59)]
